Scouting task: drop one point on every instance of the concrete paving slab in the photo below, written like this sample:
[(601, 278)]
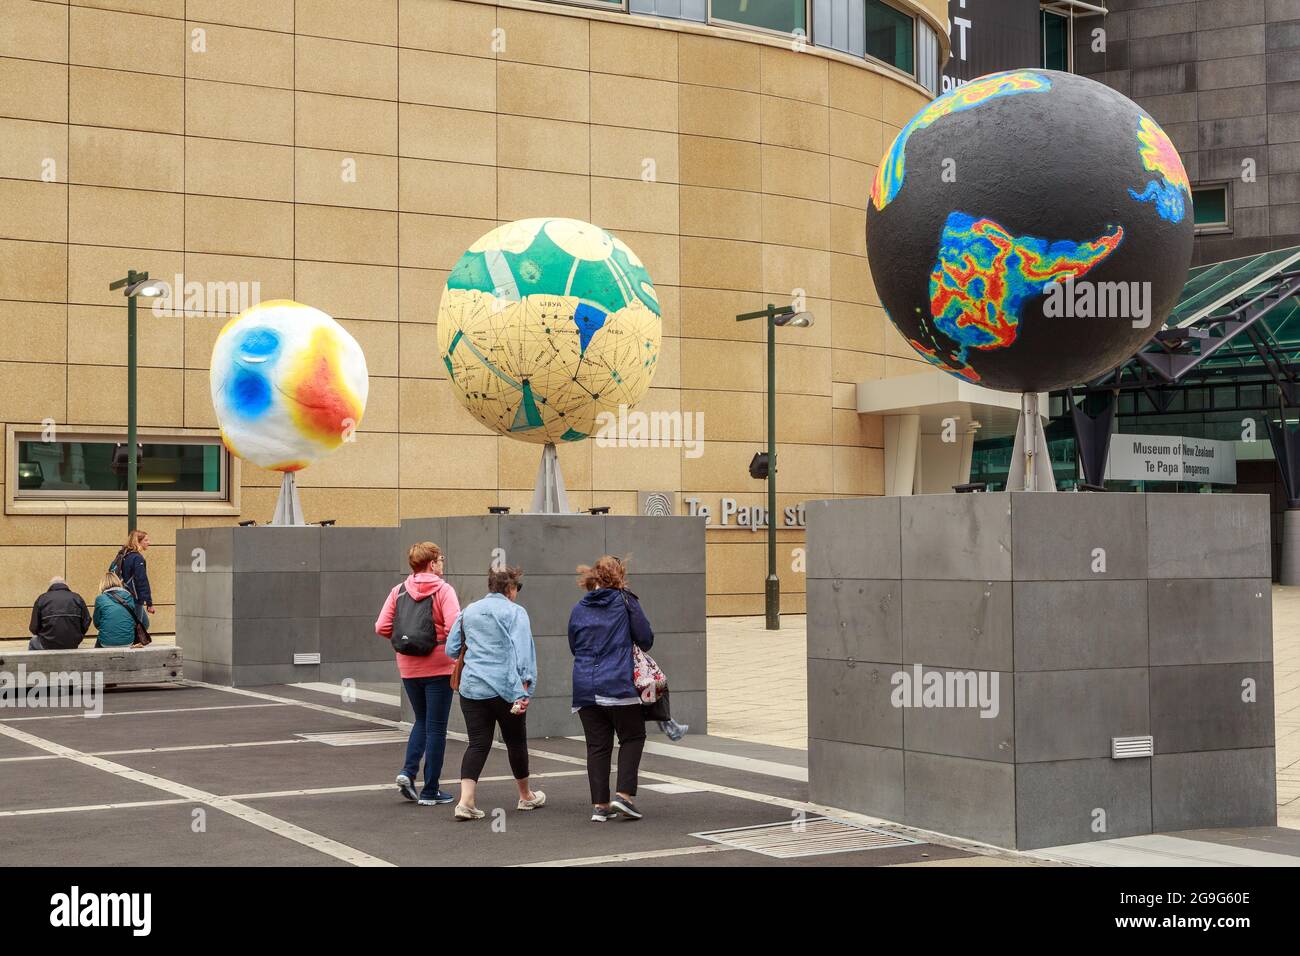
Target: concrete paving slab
[(409, 835), (181, 727), (886, 856), (303, 766), (150, 836), (63, 783)]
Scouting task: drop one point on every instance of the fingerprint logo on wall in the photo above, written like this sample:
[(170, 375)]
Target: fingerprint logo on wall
[(657, 505)]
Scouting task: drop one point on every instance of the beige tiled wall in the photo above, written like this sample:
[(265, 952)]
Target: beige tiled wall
[(214, 147)]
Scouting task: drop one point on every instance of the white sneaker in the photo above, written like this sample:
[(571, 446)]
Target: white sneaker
[(539, 800), (468, 813)]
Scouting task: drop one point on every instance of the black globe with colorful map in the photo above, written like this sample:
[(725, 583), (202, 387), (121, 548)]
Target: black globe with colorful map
[(1029, 230)]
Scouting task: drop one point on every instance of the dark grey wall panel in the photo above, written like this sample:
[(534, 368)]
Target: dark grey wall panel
[(1200, 707), (858, 778), (361, 549), (1067, 801), (859, 620), (965, 731), (1062, 625), (856, 538), (957, 623), (957, 795), (957, 537), (1068, 715), (1055, 536), (1190, 538), (1206, 621), (1214, 788), (851, 703)]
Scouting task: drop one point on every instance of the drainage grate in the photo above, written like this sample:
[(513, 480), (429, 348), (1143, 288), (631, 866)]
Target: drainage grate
[(815, 836), (356, 738)]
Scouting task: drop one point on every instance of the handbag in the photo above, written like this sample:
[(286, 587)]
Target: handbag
[(142, 637), (458, 666), (650, 680)]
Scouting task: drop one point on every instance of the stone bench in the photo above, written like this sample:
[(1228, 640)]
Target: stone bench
[(120, 665)]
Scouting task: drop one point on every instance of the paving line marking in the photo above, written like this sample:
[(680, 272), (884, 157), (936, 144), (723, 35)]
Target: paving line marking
[(136, 713), (373, 696), (365, 787), (768, 768), (261, 795), (185, 748), (628, 857), (37, 811), (939, 839), (162, 750), (283, 828)]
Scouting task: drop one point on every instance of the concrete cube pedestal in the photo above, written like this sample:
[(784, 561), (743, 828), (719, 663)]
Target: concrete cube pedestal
[(249, 599), (1083, 618), (665, 557)]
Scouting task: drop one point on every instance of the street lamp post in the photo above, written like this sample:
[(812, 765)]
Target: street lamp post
[(135, 284), (775, 316)]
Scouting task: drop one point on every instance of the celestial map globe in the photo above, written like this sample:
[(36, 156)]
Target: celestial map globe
[(547, 323), (1029, 230), (289, 384)]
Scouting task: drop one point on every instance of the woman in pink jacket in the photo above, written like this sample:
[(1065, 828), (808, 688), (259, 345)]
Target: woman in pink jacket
[(422, 609)]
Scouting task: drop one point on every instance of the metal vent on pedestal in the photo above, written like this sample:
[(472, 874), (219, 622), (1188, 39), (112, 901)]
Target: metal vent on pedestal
[(307, 658), (1122, 747), (815, 836)]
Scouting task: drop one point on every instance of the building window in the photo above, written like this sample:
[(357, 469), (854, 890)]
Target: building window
[(1055, 30), (927, 57), (697, 10), (840, 25), (890, 35), (95, 466), (1210, 208), (780, 16)]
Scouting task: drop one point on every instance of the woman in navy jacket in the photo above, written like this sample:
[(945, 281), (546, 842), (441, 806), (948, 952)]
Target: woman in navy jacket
[(129, 565), (603, 626)]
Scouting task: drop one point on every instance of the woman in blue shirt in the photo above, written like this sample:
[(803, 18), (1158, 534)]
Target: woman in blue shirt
[(498, 679)]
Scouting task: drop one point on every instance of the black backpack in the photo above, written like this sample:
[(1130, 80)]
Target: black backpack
[(118, 566), (413, 630)]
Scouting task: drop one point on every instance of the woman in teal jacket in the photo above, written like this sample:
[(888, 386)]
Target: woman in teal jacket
[(115, 621)]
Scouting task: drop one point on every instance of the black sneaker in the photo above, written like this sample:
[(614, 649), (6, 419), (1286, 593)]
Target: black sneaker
[(603, 814), (626, 807), (406, 788)]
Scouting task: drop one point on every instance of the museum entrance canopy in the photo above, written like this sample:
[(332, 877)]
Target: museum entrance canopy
[(1235, 319), (932, 420)]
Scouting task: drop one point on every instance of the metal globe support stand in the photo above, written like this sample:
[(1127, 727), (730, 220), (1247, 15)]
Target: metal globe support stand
[(549, 497), (1031, 466), (288, 509)]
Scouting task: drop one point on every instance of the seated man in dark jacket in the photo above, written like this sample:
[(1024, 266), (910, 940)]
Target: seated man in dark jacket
[(60, 619)]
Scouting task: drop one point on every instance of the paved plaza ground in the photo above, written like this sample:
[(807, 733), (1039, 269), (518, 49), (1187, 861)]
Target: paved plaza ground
[(203, 775)]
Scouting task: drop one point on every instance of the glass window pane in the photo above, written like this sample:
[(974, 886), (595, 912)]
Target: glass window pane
[(1056, 41), (100, 467), (785, 16), (857, 27), (889, 35), (1210, 206), (824, 23), (677, 9)]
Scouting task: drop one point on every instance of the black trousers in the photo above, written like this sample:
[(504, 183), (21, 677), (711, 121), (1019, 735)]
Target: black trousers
[(482, 717), (600, 724)]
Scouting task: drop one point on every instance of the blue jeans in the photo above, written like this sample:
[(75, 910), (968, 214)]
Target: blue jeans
[(430, 698)]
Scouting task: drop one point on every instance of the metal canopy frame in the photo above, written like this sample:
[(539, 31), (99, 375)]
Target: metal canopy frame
[(1228, 325)]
